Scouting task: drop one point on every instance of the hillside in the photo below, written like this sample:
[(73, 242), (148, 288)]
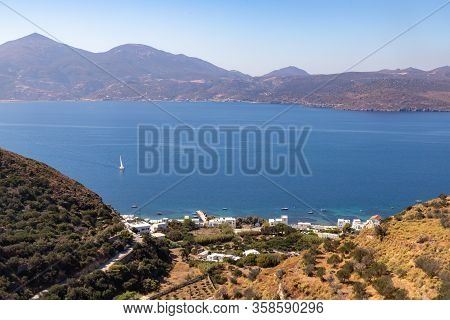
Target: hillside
[(38, 68), (51, 227), (407, 257)]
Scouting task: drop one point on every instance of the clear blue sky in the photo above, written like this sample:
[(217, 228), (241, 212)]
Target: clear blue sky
[(251, 36)]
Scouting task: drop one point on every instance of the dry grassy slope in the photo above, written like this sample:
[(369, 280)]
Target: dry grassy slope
[(412, 233)]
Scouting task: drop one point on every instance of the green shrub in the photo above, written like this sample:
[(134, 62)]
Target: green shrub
[(334, 260), (268, 260)]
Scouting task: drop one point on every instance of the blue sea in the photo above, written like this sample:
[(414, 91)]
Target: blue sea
[(361, 163)]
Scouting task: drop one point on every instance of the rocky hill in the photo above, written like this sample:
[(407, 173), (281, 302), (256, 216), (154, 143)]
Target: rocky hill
[(38, 68), (51, 227)]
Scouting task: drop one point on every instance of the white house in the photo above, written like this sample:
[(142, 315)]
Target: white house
[(250, 251), (140, 227), (160, 226), (342, 222), (373, 221), (218, 221), (218, 257), (283, 219), (326, 235), (357, 224), (304, 225)]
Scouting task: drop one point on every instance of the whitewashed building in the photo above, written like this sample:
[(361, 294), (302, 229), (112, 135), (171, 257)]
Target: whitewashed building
[(282, 220), (219, 221), (357, 224), (304, 225), (250, 251), (160, 226), (140, 227), (342, 222)]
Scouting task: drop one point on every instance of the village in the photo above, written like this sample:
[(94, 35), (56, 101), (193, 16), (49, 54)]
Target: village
[(201, 220)]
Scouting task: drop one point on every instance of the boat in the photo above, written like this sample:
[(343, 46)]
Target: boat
[(418, 201), (134, 206), (323, 210), (121, 167), (224, 208), (159, 213), (310, 212), (284, 209)]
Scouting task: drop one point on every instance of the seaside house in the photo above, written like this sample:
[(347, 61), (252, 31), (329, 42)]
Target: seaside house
[(326, 235), (342, 222), (160, 226), (304, 225), (250, 251), (140, 227), (282, 220), (218, 257), (219, 221), (374, 221), (357, 224)]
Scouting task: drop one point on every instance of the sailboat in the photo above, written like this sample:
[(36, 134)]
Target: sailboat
[(121, 168)]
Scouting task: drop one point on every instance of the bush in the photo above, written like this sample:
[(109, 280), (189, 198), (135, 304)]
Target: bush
[(280, 273), (214, 238), (430, 266), (380, 232), (237, 273), (347, 247), (334, 260), (359, 290), (385, 287), (320, 272), (129, 295), (445, 221), (345, 272), (268, 260), (253, 273), (309, 270), (330, 245)]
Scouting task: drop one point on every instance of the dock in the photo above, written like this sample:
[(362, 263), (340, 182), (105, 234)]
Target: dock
[(201, 215)]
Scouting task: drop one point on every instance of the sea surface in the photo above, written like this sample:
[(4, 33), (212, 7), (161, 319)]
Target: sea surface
[(361, 163)]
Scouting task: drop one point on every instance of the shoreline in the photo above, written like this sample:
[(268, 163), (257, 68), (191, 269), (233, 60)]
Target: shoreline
[(280, 103)]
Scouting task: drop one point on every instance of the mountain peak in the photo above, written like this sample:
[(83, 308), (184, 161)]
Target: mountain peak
[(290, 71)]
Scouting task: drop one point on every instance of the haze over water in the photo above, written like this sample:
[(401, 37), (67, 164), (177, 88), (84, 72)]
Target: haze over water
[(370, 161)]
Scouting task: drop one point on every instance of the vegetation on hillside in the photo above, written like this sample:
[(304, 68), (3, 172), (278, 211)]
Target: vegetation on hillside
[(51, 228), (142, 273)]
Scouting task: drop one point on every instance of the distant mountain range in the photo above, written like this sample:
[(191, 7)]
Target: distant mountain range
[(38, 68)]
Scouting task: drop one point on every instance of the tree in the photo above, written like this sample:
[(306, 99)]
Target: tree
[(347, 228), (128, 295), (359, 290), (380, 232), (268, 260), (320, 272), (334, 260), (345, 272)]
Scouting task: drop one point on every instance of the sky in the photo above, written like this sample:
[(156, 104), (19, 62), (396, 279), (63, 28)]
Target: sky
[(254, 37)]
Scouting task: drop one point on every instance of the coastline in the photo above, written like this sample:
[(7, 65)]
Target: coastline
[(339, 107)]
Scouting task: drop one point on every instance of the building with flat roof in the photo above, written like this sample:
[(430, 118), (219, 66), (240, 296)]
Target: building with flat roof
[(140, 227), (281, 220)]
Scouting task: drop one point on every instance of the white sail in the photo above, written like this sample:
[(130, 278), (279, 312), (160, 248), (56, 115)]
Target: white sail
[(121, 164)]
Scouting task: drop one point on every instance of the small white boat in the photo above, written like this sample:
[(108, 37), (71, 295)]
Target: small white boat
[(224, 208), (284, 209), (121, 167), (134, 206)]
